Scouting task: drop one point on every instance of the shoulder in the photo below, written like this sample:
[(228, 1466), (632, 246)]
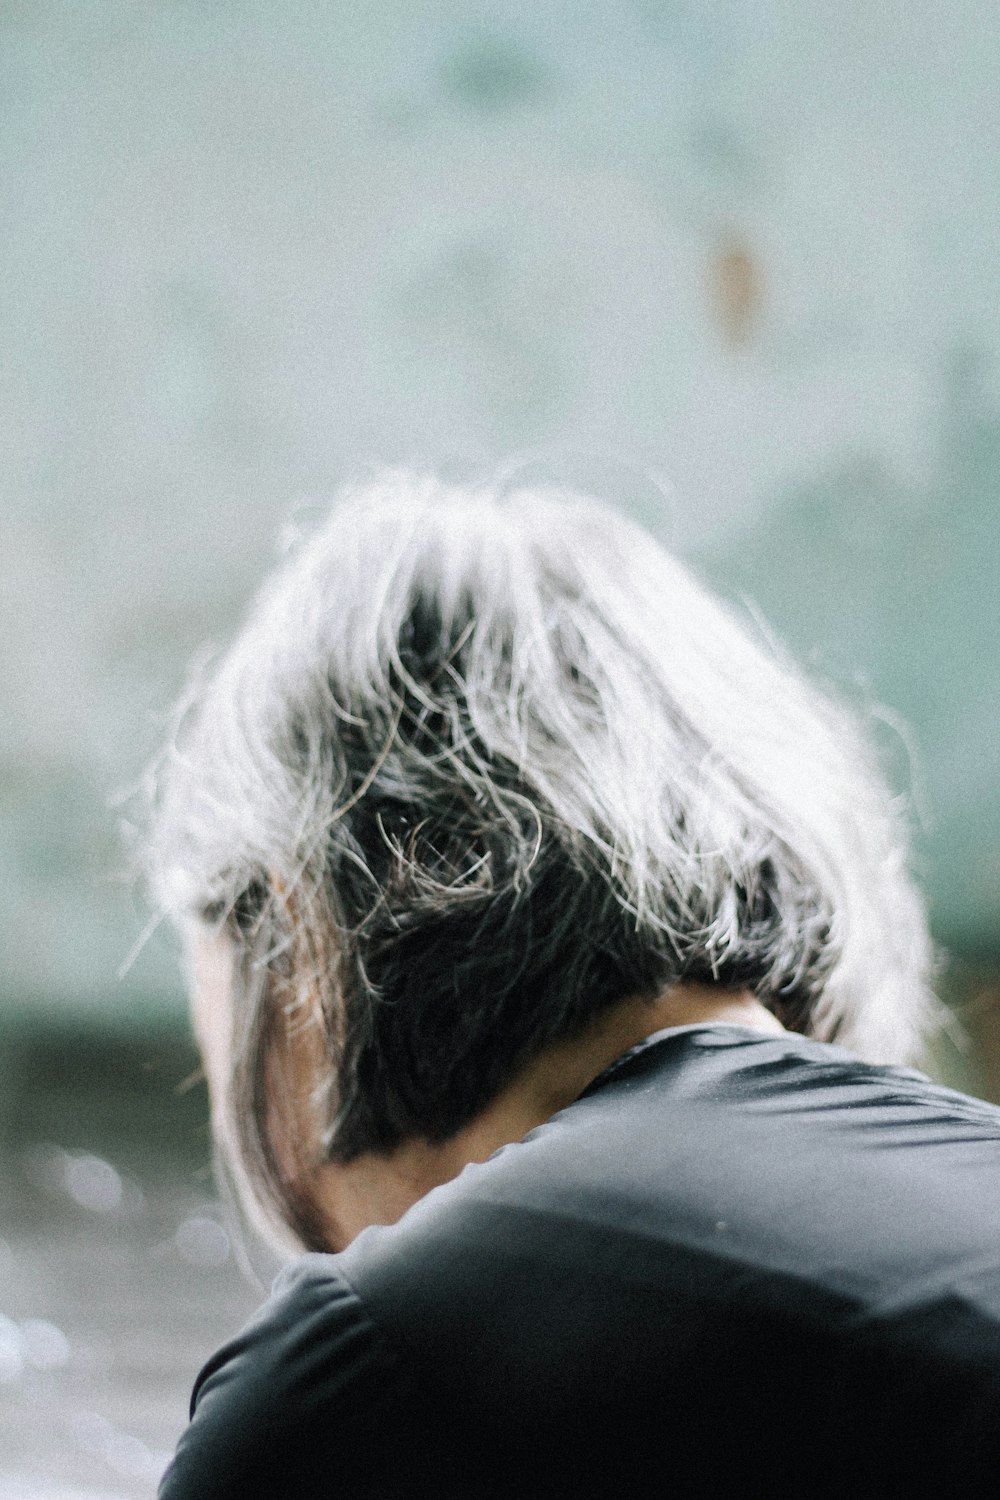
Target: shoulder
[(703, 1159), (311, 1361), (713, 1204)]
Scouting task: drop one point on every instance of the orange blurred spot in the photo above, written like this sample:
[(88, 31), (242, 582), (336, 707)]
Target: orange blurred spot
[(736, 285)]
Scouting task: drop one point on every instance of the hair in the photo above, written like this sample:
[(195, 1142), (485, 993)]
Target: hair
[(476, 768)]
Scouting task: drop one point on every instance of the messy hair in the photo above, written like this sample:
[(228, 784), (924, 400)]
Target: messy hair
[(476, 768)]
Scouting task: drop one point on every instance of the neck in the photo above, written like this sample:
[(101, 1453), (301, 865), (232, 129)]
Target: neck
[(378, 1188)]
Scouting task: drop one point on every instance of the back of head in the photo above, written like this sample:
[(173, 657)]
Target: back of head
[(475, 769)]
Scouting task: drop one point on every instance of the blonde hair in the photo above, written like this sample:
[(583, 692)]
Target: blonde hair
[(478, 766)]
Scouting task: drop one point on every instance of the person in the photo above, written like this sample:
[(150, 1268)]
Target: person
[(555, 966)]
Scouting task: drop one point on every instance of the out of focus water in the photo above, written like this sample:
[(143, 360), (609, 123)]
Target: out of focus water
[(119, 1268), (118, 1273)]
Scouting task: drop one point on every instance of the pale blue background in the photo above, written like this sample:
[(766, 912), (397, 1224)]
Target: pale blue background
[(249, 249)]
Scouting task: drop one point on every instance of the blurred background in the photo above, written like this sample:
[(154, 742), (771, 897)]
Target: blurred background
[(732, 265)]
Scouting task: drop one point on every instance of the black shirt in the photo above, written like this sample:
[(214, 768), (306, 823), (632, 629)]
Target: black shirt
[(739, 1265)]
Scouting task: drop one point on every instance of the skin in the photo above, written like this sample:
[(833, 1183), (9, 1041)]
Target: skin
[(377, 1187)]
